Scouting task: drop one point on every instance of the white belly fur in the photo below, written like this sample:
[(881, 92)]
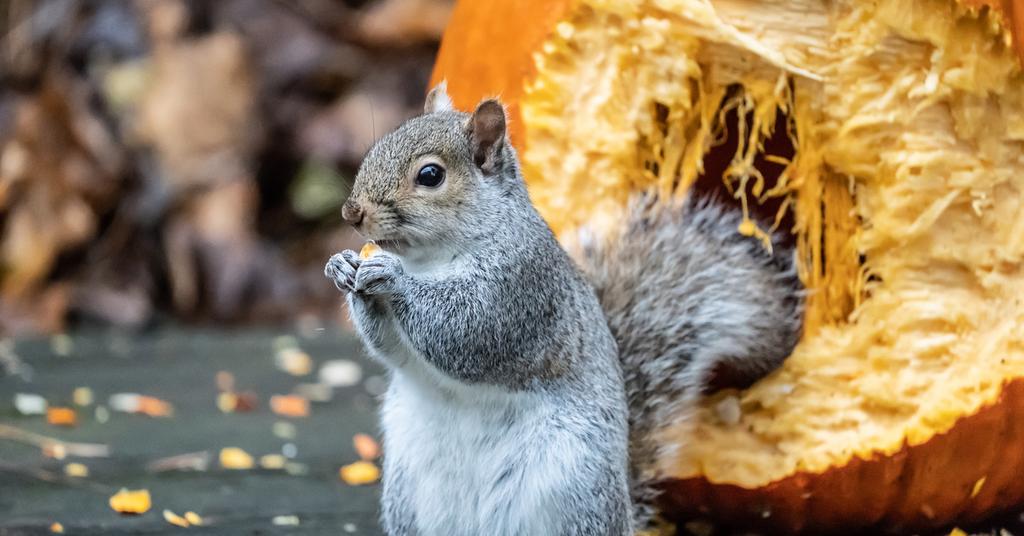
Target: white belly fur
[(486, 462)]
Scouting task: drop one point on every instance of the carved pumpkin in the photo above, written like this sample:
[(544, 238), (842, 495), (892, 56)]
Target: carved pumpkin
[(903, 181)]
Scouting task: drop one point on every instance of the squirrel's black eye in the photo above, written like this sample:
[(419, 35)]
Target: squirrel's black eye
[(430, 175)]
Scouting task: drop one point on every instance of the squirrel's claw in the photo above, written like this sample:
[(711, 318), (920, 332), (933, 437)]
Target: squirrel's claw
[(341, 271), (378, 275)]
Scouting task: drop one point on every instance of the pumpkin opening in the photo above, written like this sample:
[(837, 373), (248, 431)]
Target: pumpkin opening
[(891, 133)]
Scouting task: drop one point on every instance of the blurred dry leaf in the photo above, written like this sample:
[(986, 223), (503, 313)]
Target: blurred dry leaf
[(405, 21), (198, 110)]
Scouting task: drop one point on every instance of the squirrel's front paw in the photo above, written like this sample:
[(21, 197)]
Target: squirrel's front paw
[(379, 274), (341, 269)]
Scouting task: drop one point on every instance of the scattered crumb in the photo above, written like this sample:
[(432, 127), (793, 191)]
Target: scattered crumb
[(285, 521), (82, 396), (359, 473), (175, 519), (102, 414), (293, 361), (226, 402), (30, 404), (131, 501), (290, 405), (141, 404), (235, 458), (56, 528), (289, 450), (193, 518), (349, 528), (61, 416), (273, 461), (340, 373), (366, 447), (76, 470)]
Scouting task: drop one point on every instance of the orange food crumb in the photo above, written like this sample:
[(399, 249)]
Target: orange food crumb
[(290, 405), (366, 447), (193, 518), (57, 528), (369, 250), (131, 501), (154, 407), (59, 416), (359, 473), (235, 458)]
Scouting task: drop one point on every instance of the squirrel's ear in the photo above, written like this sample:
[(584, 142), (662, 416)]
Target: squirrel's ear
[(487, 134), (438, 99)]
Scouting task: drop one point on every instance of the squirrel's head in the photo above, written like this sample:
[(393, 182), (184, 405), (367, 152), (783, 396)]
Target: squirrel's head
[(434, 179)]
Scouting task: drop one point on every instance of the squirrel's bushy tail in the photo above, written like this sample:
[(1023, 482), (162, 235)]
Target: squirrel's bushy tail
[(688, 299)]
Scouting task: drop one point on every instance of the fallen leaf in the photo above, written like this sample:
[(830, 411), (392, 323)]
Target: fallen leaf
[(359, 473), (175, 519), (140, 404), (294, 361), (366, 447), (82, 396), (273, 461), (290, 405), (131, 502), (235, 458), (237, 402), (61, 416), (76, 470)]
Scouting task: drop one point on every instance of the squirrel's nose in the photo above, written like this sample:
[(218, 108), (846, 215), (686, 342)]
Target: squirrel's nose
[(352, 213)]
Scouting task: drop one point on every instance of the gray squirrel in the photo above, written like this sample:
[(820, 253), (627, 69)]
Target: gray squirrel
[(526, 393)]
